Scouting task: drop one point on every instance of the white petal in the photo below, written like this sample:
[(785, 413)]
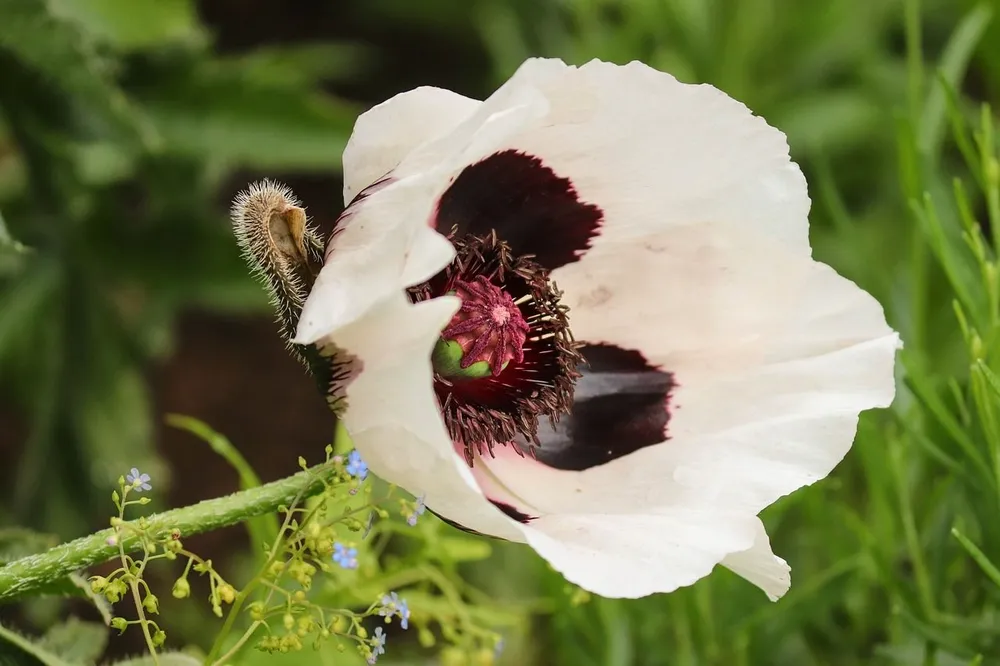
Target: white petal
[(393, 417), (702, 264), (715, 297), (387, 241), (386, 133), (383, 245), (492, 127), (428, 254), (637, 555), (534, 488), (774, 356), (761, 567), (654, 153)]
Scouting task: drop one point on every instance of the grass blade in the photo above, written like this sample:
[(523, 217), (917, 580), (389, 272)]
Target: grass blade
[(263, 529), (979, 556)]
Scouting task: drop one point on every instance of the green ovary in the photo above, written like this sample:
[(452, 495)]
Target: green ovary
[(447, 362)]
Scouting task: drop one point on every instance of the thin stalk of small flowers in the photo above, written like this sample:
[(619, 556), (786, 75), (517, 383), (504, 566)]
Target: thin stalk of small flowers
[(247, 635), (452, 594), (306, 604), (244, 593), (136, 481), (252, 629), (298, 548), (288, 526), (354, 618), (427, 573)]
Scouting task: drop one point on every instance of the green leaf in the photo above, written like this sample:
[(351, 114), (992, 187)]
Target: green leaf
[(82, 589), (18, 542), (12, 253), (463, 549), (934, 407), (23, 304), (7, 242), (828, 122), (301, 65), (943, 231), (76, 641), (914, 653), (991, 378), (163, 659), (220, 444), (954, 63), (496, 615), (114, 420), (56, 49), (133, 24), (263, 529), (216, 114), (20, 650)]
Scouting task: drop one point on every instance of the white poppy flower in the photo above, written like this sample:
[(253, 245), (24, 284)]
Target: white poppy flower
[(630, 254)]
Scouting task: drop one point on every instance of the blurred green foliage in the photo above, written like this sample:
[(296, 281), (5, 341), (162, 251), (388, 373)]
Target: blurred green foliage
[(119, 125), (122, 124)]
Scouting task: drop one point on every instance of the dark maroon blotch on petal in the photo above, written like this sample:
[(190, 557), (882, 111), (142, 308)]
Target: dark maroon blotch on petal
[(622, 405), (529, 206)]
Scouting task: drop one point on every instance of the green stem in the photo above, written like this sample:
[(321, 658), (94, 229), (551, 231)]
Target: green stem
[(244, 594), (914, 57), (239, 644), (132, 583), (29, 574), (340, 435), (143, 622)]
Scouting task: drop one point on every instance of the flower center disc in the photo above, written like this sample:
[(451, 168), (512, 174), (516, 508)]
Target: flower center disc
[(484, 336), (507, 358)]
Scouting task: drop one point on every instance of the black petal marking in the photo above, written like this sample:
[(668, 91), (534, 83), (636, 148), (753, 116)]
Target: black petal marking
[(621, 405), (511, 512), (531, 208)]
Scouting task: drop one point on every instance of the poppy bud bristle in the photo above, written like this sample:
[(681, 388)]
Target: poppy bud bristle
[(280, 247)]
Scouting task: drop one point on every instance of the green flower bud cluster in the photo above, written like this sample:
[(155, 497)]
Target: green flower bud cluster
[(307, 544), (127, 581), (305, 592)]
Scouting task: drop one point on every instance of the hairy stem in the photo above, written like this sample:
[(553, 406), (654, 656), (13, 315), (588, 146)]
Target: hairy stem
[(30, 574)]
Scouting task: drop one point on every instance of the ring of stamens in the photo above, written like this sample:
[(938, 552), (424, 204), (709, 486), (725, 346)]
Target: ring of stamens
[(506, 404)]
